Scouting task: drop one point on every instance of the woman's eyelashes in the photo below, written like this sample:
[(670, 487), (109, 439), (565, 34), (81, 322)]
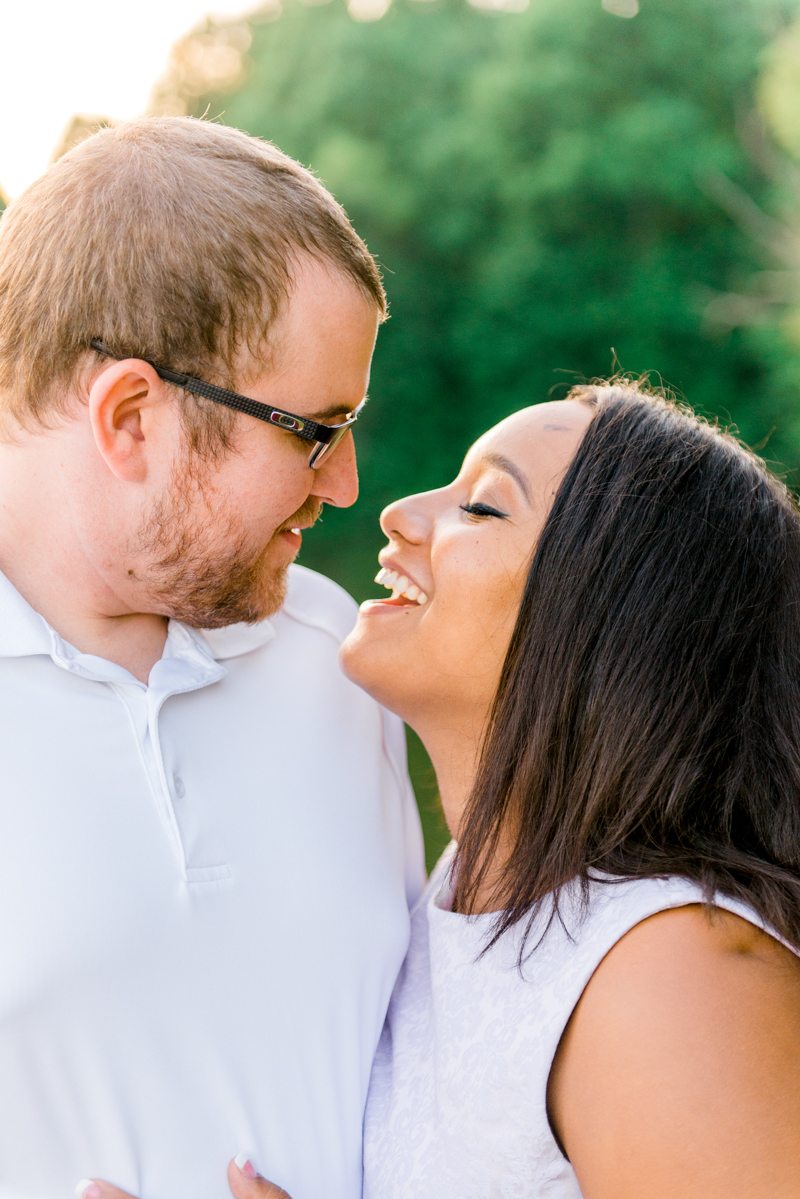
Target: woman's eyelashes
[(483, 510)]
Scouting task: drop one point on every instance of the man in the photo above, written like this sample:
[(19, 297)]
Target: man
[(207, 837)]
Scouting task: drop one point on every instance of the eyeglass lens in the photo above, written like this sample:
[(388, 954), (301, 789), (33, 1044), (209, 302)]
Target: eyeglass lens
[(323, 449)]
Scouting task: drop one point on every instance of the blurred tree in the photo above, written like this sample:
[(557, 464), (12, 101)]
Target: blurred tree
[(779, 88), (535, 185), (531, 183)]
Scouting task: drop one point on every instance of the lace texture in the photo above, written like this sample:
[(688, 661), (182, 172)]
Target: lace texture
[(457, 1100)]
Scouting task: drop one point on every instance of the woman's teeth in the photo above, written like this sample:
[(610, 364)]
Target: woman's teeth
[(400, 585)]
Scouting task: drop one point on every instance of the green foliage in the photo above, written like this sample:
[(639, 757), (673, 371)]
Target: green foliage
[(532, 184), (434, 827)]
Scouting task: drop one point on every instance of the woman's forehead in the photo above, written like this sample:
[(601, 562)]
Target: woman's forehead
[(543, 436)]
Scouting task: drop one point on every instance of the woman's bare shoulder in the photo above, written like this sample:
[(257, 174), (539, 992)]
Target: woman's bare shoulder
[(719, 937), (679, 1072)]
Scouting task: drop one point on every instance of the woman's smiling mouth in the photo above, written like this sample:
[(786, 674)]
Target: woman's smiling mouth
[(400, 586)]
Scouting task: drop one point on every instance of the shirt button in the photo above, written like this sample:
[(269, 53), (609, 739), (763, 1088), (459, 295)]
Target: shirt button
[(180, 790)]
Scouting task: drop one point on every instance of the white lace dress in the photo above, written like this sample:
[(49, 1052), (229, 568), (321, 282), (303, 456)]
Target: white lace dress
[(457, 1101)]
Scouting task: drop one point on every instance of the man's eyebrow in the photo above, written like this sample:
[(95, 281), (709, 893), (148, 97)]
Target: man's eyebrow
[(510, 468), (328, 414)]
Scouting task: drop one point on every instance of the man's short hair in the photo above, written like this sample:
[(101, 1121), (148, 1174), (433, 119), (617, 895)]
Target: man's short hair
[(169, 239)]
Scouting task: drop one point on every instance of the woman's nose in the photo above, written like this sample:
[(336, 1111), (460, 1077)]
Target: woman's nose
[(409, 519)]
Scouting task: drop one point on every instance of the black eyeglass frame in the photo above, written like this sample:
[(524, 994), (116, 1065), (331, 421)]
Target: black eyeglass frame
[(324, 438)]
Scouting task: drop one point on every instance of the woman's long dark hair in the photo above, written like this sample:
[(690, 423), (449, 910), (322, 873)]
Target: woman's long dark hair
[(647, 721)]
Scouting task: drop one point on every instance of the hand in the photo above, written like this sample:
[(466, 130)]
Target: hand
[(246, 1184), (242, 1179)]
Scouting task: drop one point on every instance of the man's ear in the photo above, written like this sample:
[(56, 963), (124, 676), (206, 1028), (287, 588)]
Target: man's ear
[(127, 408)]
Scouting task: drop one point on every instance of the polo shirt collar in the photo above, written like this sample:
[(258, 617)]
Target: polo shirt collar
[(23, 633), (236, 639)]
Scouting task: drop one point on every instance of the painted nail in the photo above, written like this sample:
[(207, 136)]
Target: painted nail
[(86, 1189), (244, 1164)]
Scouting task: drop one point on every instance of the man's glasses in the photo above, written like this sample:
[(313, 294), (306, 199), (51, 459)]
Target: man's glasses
[(323, 438)]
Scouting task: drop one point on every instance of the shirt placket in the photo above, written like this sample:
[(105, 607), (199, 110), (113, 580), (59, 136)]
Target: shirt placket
[(143, 709), (188, 669)]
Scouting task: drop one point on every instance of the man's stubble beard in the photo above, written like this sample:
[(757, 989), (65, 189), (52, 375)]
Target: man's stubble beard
[(201, 567)]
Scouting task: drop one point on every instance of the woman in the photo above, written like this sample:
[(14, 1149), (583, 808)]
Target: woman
[(602, 993)]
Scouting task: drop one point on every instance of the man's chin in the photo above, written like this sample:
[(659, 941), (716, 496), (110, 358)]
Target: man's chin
[(232, 602)]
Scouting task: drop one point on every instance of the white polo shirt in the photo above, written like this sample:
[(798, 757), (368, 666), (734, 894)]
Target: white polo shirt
[(204, 888)]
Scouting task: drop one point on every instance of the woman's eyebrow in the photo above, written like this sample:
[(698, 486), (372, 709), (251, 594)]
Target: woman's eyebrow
[(510, 468)]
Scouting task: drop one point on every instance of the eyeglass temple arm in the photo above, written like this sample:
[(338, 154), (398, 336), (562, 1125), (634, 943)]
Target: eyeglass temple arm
[(309, 430)]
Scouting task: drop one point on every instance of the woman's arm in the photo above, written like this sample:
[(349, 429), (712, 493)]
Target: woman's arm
[(678, 1076)]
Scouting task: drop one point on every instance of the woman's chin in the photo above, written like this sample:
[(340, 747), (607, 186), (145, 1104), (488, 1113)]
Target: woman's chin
[(369, 663), (359, 661)]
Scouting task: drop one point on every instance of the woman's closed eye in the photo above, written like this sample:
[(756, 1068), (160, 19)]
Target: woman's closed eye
[(479, 510)]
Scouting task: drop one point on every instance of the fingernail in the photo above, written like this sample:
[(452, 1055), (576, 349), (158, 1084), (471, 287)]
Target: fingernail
[(241, 1160), (86, 1189)]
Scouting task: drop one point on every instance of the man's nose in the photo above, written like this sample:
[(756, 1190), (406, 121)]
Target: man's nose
[(336, 481)]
